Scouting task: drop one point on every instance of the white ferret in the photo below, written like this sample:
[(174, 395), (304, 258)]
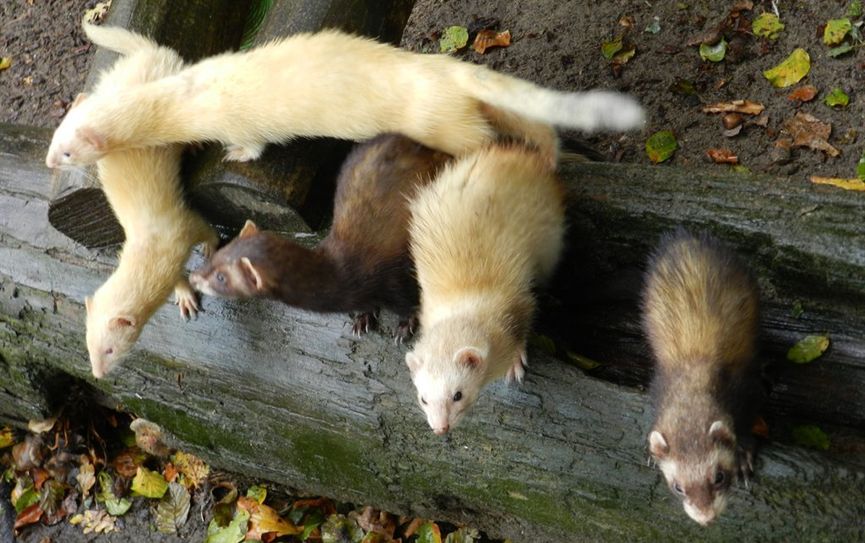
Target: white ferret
[(487, 230), (144, 190), (333, 84)]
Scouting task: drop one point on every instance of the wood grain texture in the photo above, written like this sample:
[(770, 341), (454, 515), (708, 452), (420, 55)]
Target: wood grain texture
[(290, 396)]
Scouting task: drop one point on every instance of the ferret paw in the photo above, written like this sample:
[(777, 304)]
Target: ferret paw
[(242, 153), (405, 330), (363, 323), (210, 247), (186, 299), (518, 370), (745, 458)]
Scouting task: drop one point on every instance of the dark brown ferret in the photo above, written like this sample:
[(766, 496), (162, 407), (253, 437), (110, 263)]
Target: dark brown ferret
[(362, 264), (701, 314)]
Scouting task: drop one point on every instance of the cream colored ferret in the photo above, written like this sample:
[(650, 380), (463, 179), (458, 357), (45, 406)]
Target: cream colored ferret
[(144, 190), (329, 84), (482, 235)]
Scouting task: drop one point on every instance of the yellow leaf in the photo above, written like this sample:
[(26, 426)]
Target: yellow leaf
[(791, 70), (265, 520), (149, 483), (5, 62), (846, 184), (194, 470)]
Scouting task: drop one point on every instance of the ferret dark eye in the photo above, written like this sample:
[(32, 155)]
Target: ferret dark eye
[(720, 477), (678, 489), (66, 155), (109, 351), (423, 401), (458, 396), (220, 277)]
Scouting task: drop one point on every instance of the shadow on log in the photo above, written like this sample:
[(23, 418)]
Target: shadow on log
[(289, 396)]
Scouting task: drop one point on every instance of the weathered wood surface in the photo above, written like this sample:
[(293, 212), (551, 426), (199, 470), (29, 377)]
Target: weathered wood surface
[(288, 186), (289, 396)]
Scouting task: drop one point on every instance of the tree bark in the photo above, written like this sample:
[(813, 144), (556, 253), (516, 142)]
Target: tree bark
[(290, 396)]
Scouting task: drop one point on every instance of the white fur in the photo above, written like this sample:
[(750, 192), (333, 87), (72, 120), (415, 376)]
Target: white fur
[(482, 234), (331, 84), (143, 188)]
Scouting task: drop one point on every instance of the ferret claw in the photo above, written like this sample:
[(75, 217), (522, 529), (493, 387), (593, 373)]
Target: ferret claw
[(363, 323), (186, 299), (405, 330), (518, 370), (242, 153)]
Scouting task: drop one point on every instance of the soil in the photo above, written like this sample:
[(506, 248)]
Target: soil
[(50, 59), (558, 44)]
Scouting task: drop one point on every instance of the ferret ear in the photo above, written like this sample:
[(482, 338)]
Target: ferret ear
[(251, 273), (470, 357), (721, 433), (413, 362), (658, 444), (78, 99), (120, 322), (96, 140), (88, 303), (249, 229)]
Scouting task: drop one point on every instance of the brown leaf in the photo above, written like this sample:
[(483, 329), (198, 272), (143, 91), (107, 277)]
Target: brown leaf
[(39, 475), (373, 520), (490, 38), (148, 437), (413, 527), (324, 504), (760, 428), (170, 472), (803, 94), (738, 106), (722, 156), (28, 454), (30, 515), (127, 462), (808, 131)]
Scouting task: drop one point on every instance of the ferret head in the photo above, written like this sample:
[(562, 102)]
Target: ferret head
[(231, 273), (74, 143), (701, 471), (447, 374), (110, 334)]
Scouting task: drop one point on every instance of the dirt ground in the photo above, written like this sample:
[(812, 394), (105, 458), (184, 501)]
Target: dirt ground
[(50, 59), (558, 44)]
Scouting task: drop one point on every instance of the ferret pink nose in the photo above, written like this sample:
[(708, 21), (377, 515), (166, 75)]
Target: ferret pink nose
[(441, 431), (49, 160)]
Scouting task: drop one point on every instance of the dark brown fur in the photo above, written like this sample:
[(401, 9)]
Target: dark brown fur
[(364, 261)]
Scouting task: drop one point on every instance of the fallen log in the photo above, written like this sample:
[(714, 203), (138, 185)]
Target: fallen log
[(290, 396)]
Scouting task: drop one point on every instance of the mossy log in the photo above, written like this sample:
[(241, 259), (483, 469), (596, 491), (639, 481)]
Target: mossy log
[(290, 396)]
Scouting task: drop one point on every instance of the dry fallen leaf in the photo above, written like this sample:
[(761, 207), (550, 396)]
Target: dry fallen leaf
[(264, 519), (760, 428), (737, 106), (808, 131), (86, 476), (803, 94), (490, 38), (846, 184), (722, 156)]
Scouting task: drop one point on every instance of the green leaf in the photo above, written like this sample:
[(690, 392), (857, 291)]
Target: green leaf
[(53, 492), (767, 25), (837, 98), (714, 53), (611, 47), (173, 509), (798, 309), (338, 529), (860, 168), (27, 498), (429, 532), (854, 10), (463, 535), (791, 70), (149, 484), (543, 343), (114, 505), (808, 349), (7, 437), (836, 30), (453, 39), (811, 436), (840, 50), (257, 493), (661, 145), (652, 28), (582, 361), (235, 532), (313, 521)]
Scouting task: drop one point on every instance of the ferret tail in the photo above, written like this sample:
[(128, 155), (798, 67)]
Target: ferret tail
[(118, 39), (590, 111)]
